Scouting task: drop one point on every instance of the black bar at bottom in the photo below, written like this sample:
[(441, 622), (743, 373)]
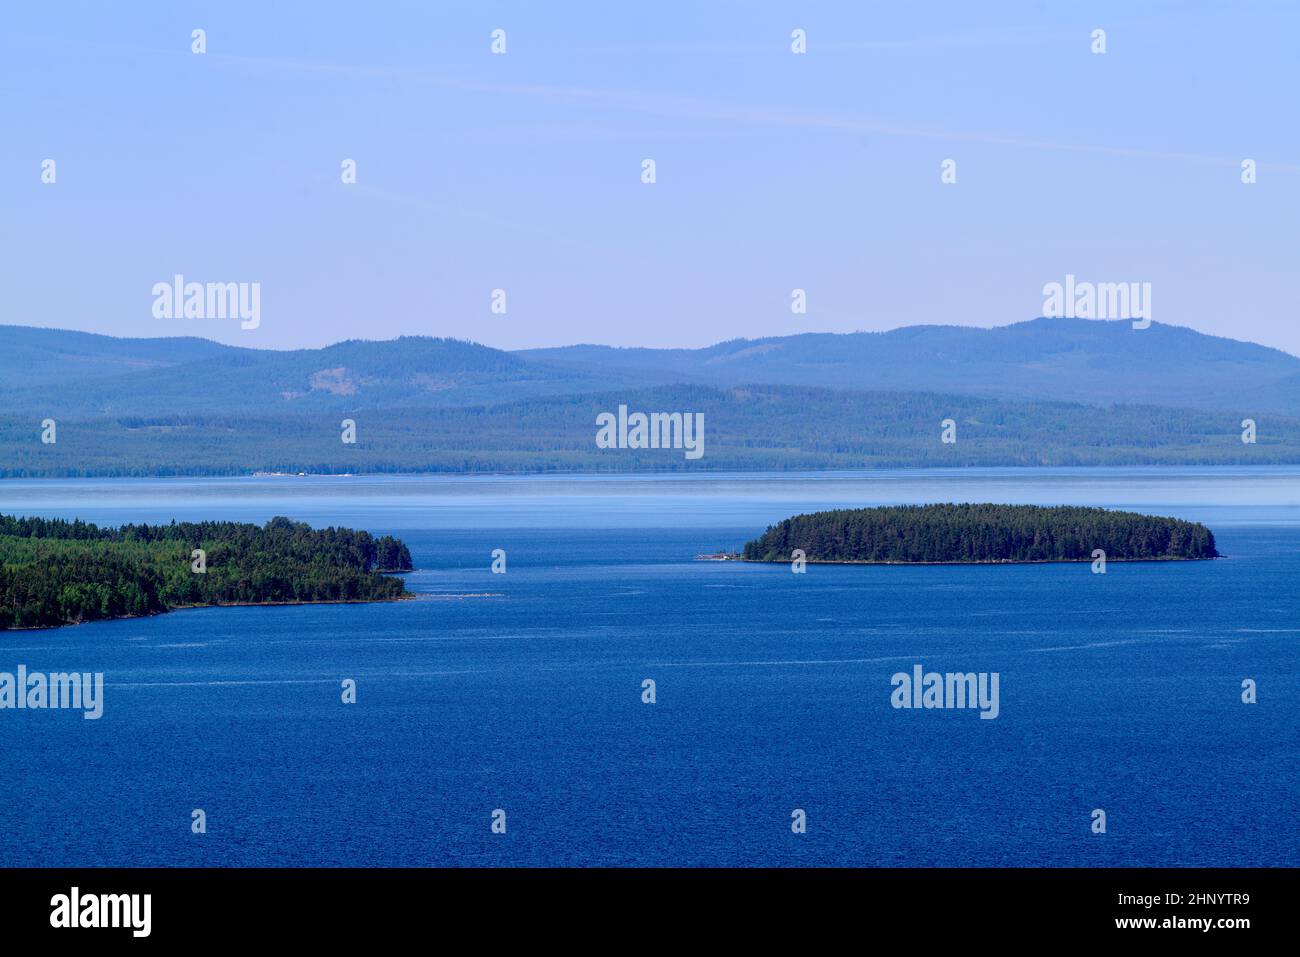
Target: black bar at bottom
[(207, 906)]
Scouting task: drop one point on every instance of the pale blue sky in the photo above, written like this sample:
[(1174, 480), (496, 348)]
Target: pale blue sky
[(522, 171)]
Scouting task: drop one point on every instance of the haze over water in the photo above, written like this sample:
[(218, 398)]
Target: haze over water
[(522, 691)]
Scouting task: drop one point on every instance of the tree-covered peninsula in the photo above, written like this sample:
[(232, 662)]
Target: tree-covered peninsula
[(55, 572), (980, 533)]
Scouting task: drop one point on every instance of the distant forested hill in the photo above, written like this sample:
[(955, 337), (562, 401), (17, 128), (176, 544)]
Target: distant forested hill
[(411, 372), (1162, 395), (981, 533), (1076, 360), (34, 357), (57, 572), (1092, 362), (769, 427)]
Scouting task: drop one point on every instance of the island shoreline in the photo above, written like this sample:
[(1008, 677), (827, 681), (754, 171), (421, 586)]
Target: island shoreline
[(408, 596), (1007, 561)]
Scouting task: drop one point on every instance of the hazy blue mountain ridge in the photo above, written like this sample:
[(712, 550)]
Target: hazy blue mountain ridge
[(1100, 363)]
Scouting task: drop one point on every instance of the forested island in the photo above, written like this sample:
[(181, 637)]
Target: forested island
[(981, 533), (55, 572)]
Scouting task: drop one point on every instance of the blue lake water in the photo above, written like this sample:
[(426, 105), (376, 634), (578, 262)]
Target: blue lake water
[(1119, 691)]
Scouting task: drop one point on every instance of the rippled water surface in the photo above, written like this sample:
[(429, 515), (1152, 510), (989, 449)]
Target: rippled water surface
[(523, 691)]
